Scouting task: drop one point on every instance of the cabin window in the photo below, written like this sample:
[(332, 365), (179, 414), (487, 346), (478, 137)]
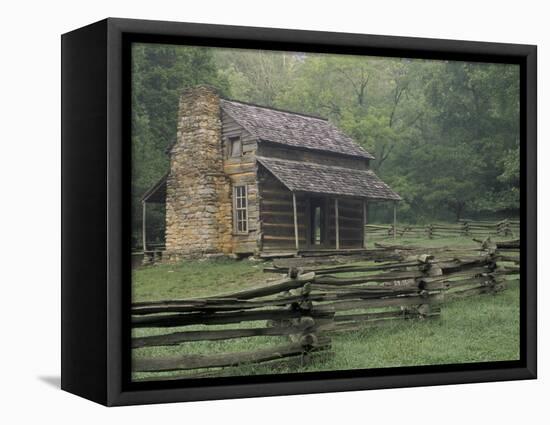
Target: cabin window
[(240, 207), (235, 147)]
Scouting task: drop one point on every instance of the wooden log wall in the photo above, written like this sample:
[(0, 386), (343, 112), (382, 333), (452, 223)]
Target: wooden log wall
[(350, 220), (277, 215), (277, 225), (272, 150), (242, 171)]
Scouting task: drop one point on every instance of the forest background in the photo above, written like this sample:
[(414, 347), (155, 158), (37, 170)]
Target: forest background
[(445, 134)]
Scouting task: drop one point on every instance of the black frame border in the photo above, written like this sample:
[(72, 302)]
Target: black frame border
[(120, 34)]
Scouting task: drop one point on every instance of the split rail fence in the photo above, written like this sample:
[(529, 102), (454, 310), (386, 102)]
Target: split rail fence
[(505, 228), (319, 296)]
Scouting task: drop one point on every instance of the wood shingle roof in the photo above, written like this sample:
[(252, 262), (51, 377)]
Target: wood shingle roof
[(292, 129), (299, 176)]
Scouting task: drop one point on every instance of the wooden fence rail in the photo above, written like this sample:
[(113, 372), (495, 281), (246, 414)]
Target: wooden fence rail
[(505, 228), (318, 297)]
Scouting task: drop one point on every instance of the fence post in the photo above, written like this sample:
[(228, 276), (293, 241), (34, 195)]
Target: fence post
[(491, 257), (507, 228), (465, 228), (394, 220), (503, 228), (293, 273), (492, 266), (307, 336), (425, 266), (147, 258)]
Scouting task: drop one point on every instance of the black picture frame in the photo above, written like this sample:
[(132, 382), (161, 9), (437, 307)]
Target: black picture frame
[(96, 204)]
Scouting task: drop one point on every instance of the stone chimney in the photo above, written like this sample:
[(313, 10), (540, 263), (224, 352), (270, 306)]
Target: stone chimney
[(198, 193)]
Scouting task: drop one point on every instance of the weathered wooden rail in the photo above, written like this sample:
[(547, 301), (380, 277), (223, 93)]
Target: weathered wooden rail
[(505, 228), (317, 297)]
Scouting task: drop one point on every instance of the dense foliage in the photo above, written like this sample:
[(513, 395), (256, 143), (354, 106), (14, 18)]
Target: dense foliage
[(445, 134), (159, 74)]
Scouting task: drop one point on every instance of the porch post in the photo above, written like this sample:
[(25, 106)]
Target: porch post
[(394, 219), (144, 225), (295, 220), (337, 223), (364, 223)]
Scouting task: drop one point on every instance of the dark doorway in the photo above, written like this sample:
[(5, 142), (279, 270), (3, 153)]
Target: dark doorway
[(317, 222)]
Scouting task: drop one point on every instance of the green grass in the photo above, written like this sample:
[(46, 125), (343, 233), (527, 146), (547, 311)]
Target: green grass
[(478, 329), (190, 279), (485, 328)]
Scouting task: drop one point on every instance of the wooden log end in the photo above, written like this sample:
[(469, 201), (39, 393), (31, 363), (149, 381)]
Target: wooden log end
[(306, 305), (293, 272), (424, 309), (425, 258), (309, 340), (307, 322)]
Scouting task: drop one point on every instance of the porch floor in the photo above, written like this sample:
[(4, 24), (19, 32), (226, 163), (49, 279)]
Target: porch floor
[(311, 252)]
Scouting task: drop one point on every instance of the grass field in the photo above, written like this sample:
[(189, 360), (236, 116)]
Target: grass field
[(484, 328)]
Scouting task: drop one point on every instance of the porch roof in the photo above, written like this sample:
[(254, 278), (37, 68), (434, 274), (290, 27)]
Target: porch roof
[(157, 193), (299, 176)]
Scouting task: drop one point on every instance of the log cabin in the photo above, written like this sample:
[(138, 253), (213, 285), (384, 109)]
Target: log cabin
[(247, 179)]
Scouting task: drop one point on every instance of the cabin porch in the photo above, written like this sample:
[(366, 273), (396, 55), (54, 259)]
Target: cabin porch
[(308, 208), (298, 223)]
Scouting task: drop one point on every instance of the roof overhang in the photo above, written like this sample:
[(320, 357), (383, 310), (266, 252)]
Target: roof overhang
[(157, 193), (299, 176)]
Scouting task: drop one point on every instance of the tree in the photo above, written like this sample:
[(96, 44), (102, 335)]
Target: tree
[(159, 75), (445, 134), (257, 76)]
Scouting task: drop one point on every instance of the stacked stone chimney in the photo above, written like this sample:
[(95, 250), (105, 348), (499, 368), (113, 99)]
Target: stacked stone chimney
[(198, 193)]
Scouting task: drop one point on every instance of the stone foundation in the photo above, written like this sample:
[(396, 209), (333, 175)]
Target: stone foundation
[(198, 193)]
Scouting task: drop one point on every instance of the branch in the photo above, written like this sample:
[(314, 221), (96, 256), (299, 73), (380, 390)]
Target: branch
[(332, 107), (359, 90), (385, 156), (396, 98)]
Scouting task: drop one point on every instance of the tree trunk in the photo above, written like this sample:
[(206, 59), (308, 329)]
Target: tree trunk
[(459, 210)]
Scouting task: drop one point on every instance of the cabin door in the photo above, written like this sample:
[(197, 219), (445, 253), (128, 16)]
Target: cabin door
[(317, 226)]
